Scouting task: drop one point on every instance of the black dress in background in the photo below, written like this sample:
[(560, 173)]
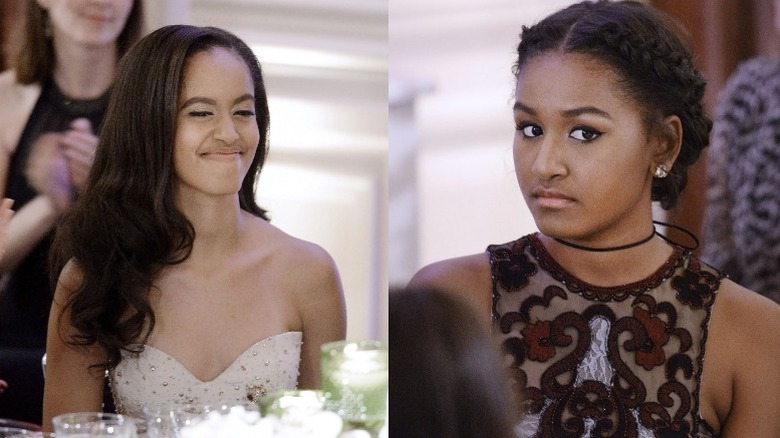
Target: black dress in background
[(25, 297)]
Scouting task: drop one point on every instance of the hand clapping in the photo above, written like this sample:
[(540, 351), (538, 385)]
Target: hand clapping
[(59, 163), (79, 145)]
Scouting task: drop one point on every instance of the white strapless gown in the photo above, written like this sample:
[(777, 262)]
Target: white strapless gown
[(155, 379)]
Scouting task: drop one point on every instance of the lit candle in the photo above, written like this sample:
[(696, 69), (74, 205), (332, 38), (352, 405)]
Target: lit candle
[(354, 381)]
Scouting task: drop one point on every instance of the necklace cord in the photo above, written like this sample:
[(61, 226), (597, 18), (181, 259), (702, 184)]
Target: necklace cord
[(681, 229), (639, 242), (609, 248)]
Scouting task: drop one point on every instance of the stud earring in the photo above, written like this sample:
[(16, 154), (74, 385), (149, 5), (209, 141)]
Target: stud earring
[(661, 172)]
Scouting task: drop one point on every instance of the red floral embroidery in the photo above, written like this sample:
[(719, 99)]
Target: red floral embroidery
[(651, 354), (536, 338)]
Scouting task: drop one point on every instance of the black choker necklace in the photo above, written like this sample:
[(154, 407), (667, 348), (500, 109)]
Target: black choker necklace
[(609, 248), (643, 241)]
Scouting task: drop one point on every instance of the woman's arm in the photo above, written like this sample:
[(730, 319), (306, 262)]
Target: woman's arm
[(29, 225), (72, 385), (323, 314)]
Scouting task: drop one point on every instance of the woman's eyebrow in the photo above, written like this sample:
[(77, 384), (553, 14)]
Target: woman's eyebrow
[(209, 101), (570, 113)]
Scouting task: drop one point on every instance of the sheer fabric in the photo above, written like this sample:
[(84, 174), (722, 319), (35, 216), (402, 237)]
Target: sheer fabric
[(595, 361)]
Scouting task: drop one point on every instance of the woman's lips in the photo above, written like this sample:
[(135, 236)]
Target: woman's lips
[(550, 198), (222, 155)]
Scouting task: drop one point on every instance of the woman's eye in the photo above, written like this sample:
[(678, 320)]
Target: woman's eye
[(245, 113), (200, 113), (585, 134), (530, 131)]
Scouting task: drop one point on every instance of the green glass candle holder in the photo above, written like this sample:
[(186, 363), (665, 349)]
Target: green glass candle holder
[(280, 402), (354, 381)]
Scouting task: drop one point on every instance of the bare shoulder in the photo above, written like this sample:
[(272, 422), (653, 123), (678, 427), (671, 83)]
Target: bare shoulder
[(293, 251), (305, 265), (742, 351), (744, 325), (309, 276), (468, 277), (7, 81), (68, 282), (15, 93), (21, 99), (746, 317)]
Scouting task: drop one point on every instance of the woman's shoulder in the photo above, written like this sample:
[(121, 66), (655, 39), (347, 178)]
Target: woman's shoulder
[(15, 91), (468, 277), (8, 80), (744, 324), (70, 279), (290, 253), (454, 270), (743, 345), (743, 313), (20, 98)]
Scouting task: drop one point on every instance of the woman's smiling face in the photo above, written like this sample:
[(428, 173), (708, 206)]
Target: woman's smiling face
[(216, 129), (582, 153)]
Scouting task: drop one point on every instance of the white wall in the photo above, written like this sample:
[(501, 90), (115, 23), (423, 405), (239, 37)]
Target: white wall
[(467, 196)]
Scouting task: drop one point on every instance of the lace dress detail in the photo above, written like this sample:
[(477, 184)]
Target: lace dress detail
[(595, 361), (155, 379)]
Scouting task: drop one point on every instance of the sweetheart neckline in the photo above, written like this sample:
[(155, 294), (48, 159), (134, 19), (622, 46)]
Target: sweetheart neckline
[(222, 373)]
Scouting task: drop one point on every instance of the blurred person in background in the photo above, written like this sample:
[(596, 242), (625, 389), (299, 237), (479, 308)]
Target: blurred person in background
[(742, 219), (446, 379), (53, 105)]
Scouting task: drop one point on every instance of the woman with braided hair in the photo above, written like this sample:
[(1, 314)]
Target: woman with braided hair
[(608, 328)]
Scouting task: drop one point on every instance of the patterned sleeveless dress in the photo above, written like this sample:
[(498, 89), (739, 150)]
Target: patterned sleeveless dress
[(592, 361)]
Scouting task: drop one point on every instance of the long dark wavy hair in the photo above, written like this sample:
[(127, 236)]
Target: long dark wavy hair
[(125, 227), (34, 60), (655, 66)]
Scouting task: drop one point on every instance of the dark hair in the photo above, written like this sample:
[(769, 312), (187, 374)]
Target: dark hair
[(125, 227), (446, 378), (654, 64), (35, 57)]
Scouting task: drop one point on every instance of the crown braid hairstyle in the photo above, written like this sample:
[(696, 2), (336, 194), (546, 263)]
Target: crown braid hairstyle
[(654, 64)]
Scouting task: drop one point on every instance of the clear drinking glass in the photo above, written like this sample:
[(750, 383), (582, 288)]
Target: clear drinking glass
[(32, 434), (95, 425), (354, 382), (6, 432), (167, 421)]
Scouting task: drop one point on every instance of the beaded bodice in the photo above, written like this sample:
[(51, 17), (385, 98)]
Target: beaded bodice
[(603, 361), (155, 379)]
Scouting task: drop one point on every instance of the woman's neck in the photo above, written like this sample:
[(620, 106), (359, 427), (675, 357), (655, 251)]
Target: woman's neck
[(612, 268), (213, 218), (84, 73)]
